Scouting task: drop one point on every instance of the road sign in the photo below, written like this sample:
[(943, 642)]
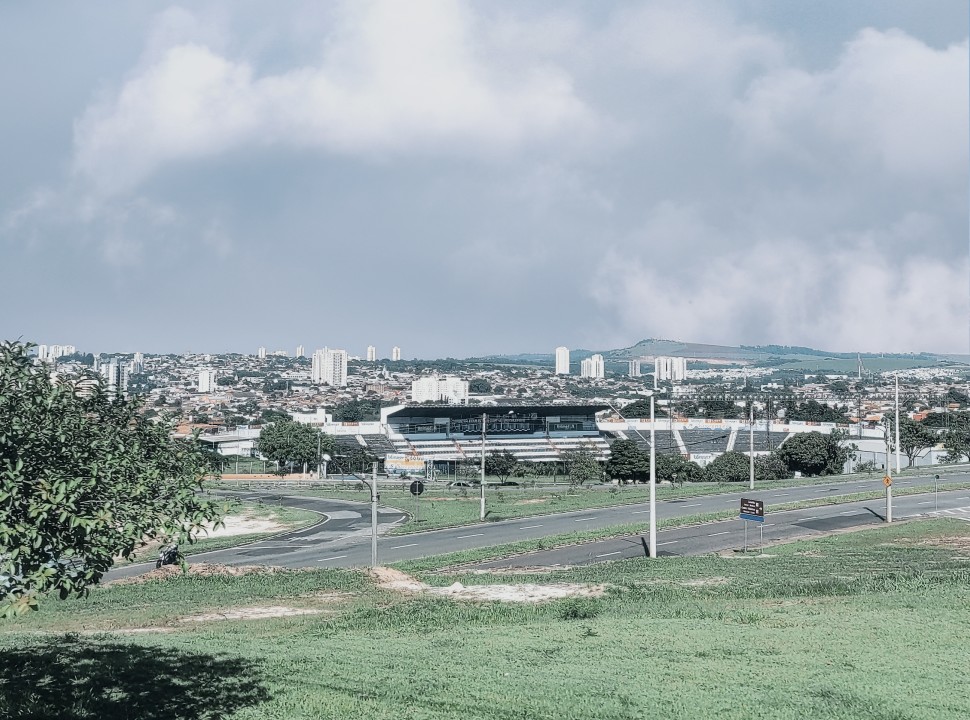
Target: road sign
[(416, 488), (887, 481), (753, 510)]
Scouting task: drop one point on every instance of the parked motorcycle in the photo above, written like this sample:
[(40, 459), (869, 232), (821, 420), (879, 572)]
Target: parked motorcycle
[(168, 555)]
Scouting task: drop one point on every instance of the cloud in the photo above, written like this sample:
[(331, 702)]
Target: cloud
[(394, 78)]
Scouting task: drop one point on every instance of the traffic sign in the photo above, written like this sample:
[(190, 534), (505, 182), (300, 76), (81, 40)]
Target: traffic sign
[(416, 488), (887, 481), (753, 510)]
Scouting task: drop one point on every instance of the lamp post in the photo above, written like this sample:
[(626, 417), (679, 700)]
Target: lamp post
[(484, 422), (897, 424), (652, 547), (751, 447)]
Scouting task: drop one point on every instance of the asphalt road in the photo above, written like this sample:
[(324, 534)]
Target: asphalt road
[(342, 538)]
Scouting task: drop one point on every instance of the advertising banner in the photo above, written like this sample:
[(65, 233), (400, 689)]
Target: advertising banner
[(401, 464)]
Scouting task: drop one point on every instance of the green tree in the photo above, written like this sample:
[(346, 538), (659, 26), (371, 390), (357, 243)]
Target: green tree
[(728, 467), (815, 454), (500, 464), (84, 478), (641, 409), (479, 385), (957, 444), (627, 463), (914, 437), (290, 443), (770, 467), (583, 467)]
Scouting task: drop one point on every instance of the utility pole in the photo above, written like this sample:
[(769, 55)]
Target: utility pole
[(653, 481), (373, 515), (484, 422), (897, 424), (751, 443)]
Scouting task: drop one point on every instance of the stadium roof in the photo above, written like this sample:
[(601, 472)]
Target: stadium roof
[(465, 411)]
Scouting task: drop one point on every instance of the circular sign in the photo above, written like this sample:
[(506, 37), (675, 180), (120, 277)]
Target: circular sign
[(887, 481), (416, 488)]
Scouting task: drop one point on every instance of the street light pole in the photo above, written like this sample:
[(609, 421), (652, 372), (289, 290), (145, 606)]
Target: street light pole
[(484, 422), (373, 515), (897, 423), (652, 547), (751, 446)]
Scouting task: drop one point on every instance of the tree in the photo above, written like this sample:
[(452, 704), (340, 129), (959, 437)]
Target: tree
[(814, 453), (728, 467), (770, 467), (287, 443), (84, 477), (583, 466), (500, 464), (627, 462), (479, 385), (641, 409), (914, 437)]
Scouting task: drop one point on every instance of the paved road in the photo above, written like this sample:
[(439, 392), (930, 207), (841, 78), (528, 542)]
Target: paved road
[(342, 538)]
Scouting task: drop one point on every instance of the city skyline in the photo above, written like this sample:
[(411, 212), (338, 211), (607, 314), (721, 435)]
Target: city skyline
[(222, 177)]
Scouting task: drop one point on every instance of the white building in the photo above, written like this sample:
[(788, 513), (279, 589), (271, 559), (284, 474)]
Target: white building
[(562, 361), (451, 390), (115, 376), (261, 353), (41, 352), (395, 353), (592, 367), (330, 367), (670, 368), (300, 351), (207, 381), (371, 353), (138, 363), (633, 368)]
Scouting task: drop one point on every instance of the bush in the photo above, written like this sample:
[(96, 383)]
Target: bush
[(578, 608)]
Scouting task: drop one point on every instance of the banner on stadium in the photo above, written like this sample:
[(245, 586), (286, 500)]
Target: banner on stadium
[(401, 464)]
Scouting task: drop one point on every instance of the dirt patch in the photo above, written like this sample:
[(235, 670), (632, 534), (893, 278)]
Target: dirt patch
[(242, 525), (391, 579), (534, 570), (201, 570), (705, 582), (533, 501), (252, 613)]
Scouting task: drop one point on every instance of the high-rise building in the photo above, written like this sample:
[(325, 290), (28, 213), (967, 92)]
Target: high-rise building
[(434, 389), (371, 353), (261, 353), (395, 353), (116, 377), (138, 363), (670, 368), (633, 368), (592, 367), (41, 352), (300, 351), (207, 381), (329, 367), (562, 361)]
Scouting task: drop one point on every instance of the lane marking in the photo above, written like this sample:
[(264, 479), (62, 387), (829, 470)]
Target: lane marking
[(335, 557), (725, 532), (925, 502), (639, 512), (733, 500), (666, 542), (529, 527), (782, 494), (849, 512), (398, 547), (584, 519), (693, 505), (608, 554), (462, 537), (814, 517), (767, 524)]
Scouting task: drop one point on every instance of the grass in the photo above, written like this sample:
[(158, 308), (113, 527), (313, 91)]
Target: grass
[(863, 625), (445, 507)]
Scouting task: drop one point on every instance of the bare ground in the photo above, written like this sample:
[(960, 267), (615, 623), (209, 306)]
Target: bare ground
[(391, 579)]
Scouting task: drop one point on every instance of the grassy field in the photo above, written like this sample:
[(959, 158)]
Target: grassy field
[(447, 507), (871, 624)]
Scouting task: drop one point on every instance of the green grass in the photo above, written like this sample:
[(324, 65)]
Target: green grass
[(446, 507), (865, 625)]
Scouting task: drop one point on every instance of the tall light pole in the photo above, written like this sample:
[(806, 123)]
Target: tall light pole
[(751, 447), (897, 424), (484, 422), (373, 515), (652, 547)]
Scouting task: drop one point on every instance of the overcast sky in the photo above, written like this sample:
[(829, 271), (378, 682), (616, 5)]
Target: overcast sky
[(460, 178)]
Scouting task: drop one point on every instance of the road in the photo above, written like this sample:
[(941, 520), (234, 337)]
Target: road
[(342, 538)]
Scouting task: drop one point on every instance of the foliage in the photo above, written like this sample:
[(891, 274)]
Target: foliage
[(358, 411), (627, 462), (815, 453), (814, 411), (957, 444), (479, 385), (771, 467), (641, 409), (269, 416), (291, 443), (729, 467), (500, 464), (914, 437), (583, 467), (84, 477)]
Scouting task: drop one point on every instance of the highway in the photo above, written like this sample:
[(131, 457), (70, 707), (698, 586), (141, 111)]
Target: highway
[(342, 538)]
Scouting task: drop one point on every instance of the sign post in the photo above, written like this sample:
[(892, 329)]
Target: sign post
[(416, 488), (753, 511), (888, 482)]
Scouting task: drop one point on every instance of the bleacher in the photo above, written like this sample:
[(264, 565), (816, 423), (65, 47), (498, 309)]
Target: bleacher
[(525, 449), (761, 438), (706, 441), (666, 441), (378, 445)]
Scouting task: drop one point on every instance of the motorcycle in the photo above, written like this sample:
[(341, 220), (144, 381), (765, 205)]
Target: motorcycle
[(168, 555)]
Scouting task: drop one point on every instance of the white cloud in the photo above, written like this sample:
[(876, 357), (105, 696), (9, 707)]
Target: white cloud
[(395, 78)]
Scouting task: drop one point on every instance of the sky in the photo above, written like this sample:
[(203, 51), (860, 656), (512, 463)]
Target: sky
[(462, 178)]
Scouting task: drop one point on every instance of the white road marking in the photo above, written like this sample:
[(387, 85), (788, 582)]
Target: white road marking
[(639, 512), (462, 537), (782, 494), (925, 502), (725, 532), (529, 527), (608, 554), (849, 512), (693, 505), (731, 501), (335, 557), (398, 547), (767, 524), (814, 517), (666, 542), (583, 519)]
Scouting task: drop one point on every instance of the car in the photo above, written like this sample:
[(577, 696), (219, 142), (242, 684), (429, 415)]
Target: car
[(464, 483)]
